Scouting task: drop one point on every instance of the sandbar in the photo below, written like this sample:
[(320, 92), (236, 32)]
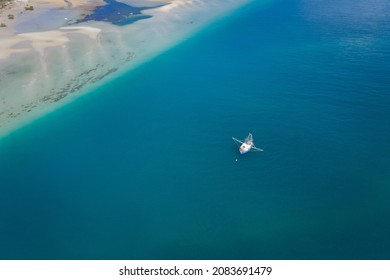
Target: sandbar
[(47, 59)]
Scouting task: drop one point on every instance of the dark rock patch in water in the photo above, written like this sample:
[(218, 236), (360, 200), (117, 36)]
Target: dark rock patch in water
[(117, 13)]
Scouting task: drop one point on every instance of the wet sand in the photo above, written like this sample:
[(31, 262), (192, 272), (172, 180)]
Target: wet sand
[(48, 67)]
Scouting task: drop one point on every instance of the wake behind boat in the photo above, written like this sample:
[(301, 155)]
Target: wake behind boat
[(247, 145)]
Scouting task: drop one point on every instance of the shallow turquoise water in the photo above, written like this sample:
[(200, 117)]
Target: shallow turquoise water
[(144, 168)]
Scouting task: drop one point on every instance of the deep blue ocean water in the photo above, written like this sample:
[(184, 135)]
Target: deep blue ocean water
[(145, 168)]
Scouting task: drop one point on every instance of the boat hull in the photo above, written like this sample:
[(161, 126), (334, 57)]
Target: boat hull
[(244, 148)]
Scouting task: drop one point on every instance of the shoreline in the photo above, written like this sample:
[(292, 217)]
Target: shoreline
[(52, 68)]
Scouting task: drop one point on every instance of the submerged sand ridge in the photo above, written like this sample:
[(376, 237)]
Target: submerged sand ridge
[(42, 70)]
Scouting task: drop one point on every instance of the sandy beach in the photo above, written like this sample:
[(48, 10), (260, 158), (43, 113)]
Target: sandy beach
[(48, 60)]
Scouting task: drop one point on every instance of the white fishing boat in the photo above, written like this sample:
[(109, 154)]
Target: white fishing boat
[(247, 145)]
